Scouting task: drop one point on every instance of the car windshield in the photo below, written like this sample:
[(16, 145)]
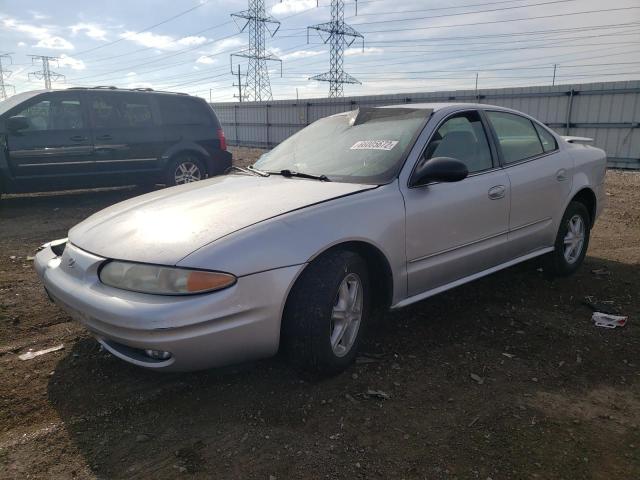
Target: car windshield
[(368, 145)]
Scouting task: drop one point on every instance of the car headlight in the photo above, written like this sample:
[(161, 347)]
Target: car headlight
[(159, 280)]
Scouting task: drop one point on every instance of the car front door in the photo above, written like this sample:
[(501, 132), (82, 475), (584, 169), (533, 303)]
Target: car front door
[(540, 177), (126, 137), (456, 230), (56, 148)]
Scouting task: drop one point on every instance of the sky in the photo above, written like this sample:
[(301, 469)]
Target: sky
[(408, 45)]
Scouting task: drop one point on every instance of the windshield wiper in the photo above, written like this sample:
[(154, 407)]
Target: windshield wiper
[(291, 173), (250, 170)]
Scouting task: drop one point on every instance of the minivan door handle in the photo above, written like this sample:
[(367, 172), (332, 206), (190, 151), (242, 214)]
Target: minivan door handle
[(104, 137), (78, 138), (497, 192)]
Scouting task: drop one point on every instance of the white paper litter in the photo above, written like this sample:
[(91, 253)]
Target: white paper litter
[(29, 355), (606, 320)]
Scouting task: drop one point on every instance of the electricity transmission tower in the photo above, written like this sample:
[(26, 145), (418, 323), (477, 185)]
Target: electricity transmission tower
[(338, 34), (257, 86), (46, 72), (5, 74)]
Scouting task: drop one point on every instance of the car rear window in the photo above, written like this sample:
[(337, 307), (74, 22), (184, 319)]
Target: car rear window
[(184, 111)]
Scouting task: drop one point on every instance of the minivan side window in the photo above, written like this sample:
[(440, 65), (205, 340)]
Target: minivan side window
[(121, 111), (183, 111), (62, 114), (516, 135), (462, 137), (548, 141)]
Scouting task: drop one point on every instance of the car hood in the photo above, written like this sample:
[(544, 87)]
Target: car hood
[(165, 226)]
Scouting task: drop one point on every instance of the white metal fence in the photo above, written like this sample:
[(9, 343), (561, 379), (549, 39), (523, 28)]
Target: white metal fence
[(608, 112)]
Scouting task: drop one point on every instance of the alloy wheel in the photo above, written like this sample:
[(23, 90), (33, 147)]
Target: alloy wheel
[(187, 172), (574, 239), (346, 315)]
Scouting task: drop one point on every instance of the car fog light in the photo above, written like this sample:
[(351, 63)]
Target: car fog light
[(158, 354)]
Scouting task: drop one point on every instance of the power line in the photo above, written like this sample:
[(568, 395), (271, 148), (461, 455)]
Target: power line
[(46, 72), (201, 4), (338, 33), (5, 74)]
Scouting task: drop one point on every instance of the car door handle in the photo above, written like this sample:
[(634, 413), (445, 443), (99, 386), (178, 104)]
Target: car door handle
[(561, 175), (104, 137), (78, 138), (497, 192)]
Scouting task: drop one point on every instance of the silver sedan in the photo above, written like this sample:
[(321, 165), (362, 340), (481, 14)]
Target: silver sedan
[(359, 212)]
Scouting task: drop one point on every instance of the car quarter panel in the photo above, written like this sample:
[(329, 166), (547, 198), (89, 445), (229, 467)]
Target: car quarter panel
[(590, 167), (373, 216)]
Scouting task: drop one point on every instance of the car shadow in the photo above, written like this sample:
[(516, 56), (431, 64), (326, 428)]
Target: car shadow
[(265, 419)]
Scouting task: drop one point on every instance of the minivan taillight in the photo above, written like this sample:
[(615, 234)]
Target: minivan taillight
[(222, 139)]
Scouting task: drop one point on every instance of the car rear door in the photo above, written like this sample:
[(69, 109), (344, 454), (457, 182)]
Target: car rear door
[(455, 230), (57, 146), (540, 177), (127, 139)]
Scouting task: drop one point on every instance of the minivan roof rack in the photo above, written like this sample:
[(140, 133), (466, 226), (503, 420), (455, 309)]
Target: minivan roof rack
[(138, 89)]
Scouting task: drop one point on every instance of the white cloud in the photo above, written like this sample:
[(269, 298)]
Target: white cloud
[(224, 45), (303, 54), (367, 51), (131, 74), (73, 63), (206, 60), (22, 44), (54, 43), (91, 30), (292, 6), (45, 38), (162, 42), (140, 85)]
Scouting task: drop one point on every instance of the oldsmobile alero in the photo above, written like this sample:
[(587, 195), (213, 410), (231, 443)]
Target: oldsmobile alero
[(359, 212)]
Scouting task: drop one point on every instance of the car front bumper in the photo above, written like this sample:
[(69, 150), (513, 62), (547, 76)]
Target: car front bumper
[(230, 326)]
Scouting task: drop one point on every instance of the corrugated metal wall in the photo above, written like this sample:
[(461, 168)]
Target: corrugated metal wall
[(608, 112)]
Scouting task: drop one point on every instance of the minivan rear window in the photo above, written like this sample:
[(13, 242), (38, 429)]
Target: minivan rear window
[(183, 111)]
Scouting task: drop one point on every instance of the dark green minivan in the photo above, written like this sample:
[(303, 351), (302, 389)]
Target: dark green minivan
[(105, 136)]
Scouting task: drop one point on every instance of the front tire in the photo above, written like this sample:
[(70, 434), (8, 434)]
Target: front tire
[(326, 312), (185, 169), (571, 242)]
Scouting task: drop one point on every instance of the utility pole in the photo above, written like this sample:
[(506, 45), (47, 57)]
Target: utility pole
[(239, 85), (5, 74), (257, 86), (46, 72), (477, 96), (553, 82), (337, 34)]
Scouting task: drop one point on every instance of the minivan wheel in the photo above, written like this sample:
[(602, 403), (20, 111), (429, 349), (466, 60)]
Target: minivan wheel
[(571, 242), (185, 169), (326, 312)]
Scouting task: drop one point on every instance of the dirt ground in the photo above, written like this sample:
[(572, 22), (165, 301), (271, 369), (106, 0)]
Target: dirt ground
[(504, 378)]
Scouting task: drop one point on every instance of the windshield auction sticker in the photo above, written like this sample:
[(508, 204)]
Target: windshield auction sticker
[(374, 145)]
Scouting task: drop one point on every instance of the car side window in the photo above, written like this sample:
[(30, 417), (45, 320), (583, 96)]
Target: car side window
[(516, 135), (461, 137), (56, 114), (121, 111), (549, 143), (183, 111)]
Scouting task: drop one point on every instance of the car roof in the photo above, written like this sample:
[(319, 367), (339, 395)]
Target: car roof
[(435, 106)]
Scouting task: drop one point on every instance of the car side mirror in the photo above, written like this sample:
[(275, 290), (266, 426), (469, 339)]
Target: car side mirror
[(439, 169), (17, 123)]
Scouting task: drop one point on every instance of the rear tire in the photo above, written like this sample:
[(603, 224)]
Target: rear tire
[(185, 168), (326, 313), (571, 242)]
